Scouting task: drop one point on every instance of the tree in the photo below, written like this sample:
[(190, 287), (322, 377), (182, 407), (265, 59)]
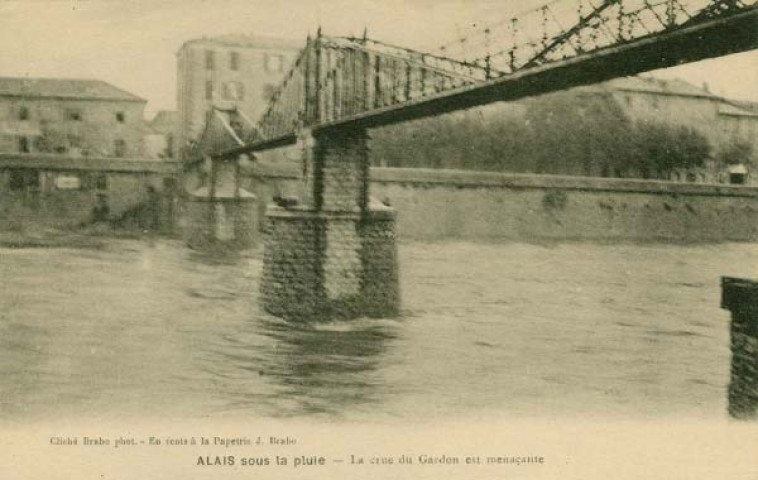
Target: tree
[(663, 147), (736, 152), (569, 133), (578, 133)]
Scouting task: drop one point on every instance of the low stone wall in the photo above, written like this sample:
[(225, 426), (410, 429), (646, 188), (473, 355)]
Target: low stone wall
[(128, 185), (444, 204)]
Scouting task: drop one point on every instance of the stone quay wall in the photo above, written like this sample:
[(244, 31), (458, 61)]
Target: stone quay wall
[(62, 191), (445, 204), (740, 297)]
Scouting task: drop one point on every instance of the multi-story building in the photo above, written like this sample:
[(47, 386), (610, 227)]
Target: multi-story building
[(70, 117), (228, 71), (70, 147), (677, 102), (724, 122)]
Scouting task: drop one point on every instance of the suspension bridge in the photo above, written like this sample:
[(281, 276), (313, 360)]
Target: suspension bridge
[(348, 82), (334, 255)]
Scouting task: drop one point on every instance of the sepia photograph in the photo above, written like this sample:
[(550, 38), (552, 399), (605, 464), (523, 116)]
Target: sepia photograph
[(379, 239)]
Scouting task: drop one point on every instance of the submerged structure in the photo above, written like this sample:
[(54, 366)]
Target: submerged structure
[(220, 214)]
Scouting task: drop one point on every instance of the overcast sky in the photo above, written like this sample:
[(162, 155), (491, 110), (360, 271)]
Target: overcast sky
[(133, 44)]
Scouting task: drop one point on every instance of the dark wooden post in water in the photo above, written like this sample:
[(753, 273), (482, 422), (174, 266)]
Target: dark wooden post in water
[(740, 297)]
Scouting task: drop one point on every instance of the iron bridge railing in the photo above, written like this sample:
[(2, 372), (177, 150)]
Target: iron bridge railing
[(337, 78)]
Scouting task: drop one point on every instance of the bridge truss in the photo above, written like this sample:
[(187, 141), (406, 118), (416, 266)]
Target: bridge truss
[(340, 81), (562, 29)]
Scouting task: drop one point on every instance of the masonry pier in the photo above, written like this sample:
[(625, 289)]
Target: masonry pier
[(334, 256), (221, 214), (740, 297)]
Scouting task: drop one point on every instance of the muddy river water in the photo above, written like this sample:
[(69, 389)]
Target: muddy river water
[(141, 328)]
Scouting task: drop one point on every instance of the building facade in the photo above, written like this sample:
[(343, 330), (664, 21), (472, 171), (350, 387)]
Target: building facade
[(69, 146), (676, 102), (228, 71), (40, 190), (70, 117), (724, 122)]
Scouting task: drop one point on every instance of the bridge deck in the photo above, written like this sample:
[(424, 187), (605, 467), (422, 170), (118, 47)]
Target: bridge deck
[(708, 39)]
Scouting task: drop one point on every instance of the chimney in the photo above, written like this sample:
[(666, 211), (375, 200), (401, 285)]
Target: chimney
[(706, 87)]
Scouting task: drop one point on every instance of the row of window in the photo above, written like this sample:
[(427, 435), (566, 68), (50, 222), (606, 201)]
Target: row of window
[(230, 90), (72, 142), (271, 62), (235, 90), (30, 180), (744, 127), (69, 114)]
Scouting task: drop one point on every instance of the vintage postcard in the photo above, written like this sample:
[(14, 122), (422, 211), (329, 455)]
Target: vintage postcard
[(378, 239)]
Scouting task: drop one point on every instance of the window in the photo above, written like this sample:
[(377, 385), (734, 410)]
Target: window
[(23, 144), (101, 181), (169, 184), (737, 178), (234, 91), (268, 91), (73, 115), (17, 180), (209, 90), (119, 147), (120, 117), (24, 179), (236, 125), (169, 146), (273, 63), (210, 61), (74, 141), (23, 113), (234, 61)]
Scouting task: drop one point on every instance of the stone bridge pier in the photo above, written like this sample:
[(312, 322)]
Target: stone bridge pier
[(221, 215), (334, 256)]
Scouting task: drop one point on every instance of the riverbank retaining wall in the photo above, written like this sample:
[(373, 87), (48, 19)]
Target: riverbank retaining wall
[(465, 205), (44, 191)]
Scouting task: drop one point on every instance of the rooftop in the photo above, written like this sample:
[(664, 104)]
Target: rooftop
[(746, 105), (658, 85), (249, 41), (736, 111), (164, 120), (64, 88)]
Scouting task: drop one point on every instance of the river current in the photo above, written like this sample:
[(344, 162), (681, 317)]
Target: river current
[(148, 329)]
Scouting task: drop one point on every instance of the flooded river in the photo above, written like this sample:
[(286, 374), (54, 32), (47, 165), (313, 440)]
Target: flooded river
[(146, 329)]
